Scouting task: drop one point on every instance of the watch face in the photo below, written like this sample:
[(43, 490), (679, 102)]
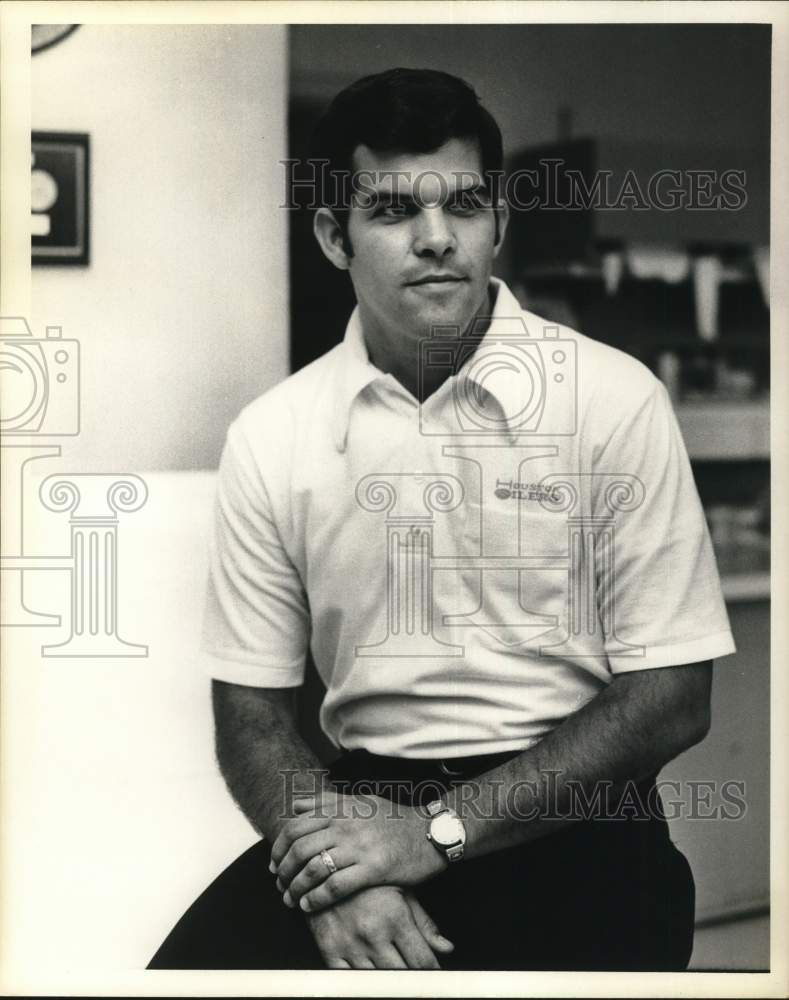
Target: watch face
[(447, 830)]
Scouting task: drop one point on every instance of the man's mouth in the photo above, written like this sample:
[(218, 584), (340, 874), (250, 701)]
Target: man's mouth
[(438, 279)]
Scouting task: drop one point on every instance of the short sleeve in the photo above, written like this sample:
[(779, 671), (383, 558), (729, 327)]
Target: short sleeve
[(658, 588), (256, 622)]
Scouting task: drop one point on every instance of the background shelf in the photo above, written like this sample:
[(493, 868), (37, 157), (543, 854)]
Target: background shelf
[(725, 429), (739, 587)]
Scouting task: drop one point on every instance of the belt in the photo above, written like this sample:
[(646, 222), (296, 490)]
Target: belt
[(363, 765), (419, 780)]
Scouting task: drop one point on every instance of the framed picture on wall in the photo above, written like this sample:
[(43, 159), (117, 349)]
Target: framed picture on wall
[(59, 221)]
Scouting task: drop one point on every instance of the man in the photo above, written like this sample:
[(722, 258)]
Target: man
[(486, 527)]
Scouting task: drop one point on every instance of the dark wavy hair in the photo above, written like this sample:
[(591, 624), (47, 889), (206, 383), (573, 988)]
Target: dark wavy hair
[(408, 110)]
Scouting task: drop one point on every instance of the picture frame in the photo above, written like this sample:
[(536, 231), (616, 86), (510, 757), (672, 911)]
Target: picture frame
[(60, 203)]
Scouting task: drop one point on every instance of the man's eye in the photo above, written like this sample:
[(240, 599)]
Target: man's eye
[(396, 210), (466, 204)]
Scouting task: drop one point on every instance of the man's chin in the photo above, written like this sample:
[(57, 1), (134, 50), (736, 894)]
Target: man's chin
[(444, 315), (456, 310)]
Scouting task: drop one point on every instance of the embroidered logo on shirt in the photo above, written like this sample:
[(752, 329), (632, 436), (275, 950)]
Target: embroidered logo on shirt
[(509, 489)]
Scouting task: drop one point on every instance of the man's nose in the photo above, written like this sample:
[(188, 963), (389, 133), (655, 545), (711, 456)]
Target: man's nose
[(434, 236)]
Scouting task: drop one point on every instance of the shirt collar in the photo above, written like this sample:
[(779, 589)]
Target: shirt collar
[(490, 367), (355, 371)]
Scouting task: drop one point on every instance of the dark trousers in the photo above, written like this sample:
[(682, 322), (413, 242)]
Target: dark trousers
[(600, 894)]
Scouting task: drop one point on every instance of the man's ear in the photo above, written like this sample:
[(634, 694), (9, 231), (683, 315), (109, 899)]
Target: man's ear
[(502, 211), (329, 236)]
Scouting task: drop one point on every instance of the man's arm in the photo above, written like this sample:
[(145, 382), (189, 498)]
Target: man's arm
[(257, 743), (632, 729), (635, 726)]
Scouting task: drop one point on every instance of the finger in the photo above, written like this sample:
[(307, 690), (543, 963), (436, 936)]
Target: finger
[(315, 872), (335, 888), (301, 853), (414, 949), (388, 957), (291, 831), (326, 804), (428, 928), (337, 963), (307, 804), (359, 961)]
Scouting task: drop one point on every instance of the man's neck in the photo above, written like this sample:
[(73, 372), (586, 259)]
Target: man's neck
[(405, 366)]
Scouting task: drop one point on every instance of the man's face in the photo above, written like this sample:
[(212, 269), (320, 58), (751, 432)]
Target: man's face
[(423, 245)]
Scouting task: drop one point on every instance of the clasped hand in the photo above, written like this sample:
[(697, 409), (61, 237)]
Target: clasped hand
[(371, 841)]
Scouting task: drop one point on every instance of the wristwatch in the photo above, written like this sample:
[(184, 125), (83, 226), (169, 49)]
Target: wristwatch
[(446, 831)]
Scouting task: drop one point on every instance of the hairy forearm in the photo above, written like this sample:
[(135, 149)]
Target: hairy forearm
[(629, 731), (263, 758), (634, 726)]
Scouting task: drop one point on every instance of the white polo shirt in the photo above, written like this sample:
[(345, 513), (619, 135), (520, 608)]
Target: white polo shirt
[(470, 571)]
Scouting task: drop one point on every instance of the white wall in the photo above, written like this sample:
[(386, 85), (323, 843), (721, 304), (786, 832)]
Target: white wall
[(116, 816), (182, 313)]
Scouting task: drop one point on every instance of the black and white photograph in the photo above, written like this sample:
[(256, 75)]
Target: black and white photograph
[(391, 417)]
